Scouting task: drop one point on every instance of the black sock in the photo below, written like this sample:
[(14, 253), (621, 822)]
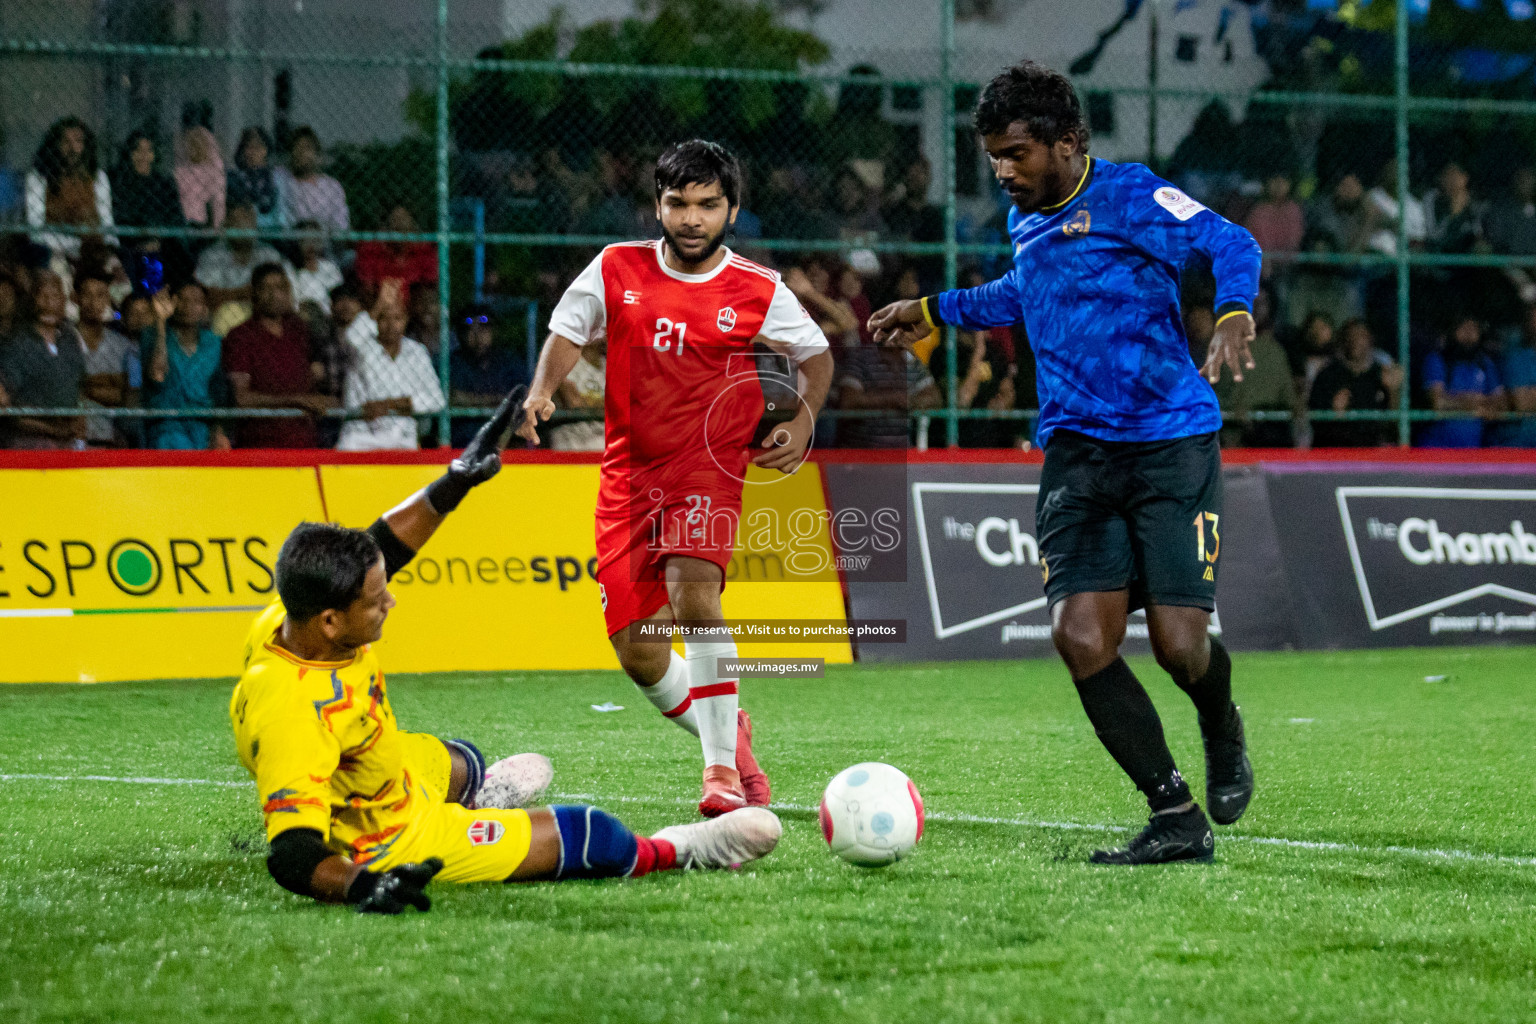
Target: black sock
[(1212, 692), (1127, 724)]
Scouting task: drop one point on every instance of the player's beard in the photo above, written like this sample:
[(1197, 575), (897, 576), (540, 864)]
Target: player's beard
[(711, 246), (1052, 188)]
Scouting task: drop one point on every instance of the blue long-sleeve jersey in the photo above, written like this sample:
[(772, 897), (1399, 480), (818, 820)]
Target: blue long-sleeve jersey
[(1095, 281)]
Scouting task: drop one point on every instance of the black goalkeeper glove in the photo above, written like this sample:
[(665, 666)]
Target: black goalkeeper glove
[(481, 460), (394, 890)]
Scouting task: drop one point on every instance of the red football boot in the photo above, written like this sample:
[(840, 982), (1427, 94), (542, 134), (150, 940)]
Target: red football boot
[(754, 784), (722, 791)]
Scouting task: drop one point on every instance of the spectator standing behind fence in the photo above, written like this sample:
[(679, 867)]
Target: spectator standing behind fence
[(1276, 222), (143, 196), (585, 387), (909, 215), (423, 318), (331, 353), (1512, 229), (305, 191), (479, 373), (1341, 216), (12, 192), (789, 209), (106, 356), (882, 378), (854, 207), (200, 177), (1332, 291), (43, 366), (181, 370), (272, 365), (251, 179), (225, 267), (1356, 380), (812, 286), (136, 314), (987, 381), (405, 263), (1267, 386), (1382, 204), (521, 203), (67, 187), (1312, 349), (389, 380), (316, 273), (1461, 377), (10, 304), (1519, 373), (1455, 218)]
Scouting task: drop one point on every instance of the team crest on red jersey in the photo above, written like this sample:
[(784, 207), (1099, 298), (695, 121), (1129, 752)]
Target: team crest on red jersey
[(486, 832), (726, 320)]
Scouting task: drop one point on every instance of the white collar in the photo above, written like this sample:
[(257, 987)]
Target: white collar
[(677, 275)]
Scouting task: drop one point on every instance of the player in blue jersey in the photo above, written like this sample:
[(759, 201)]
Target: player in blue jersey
[(1129, 511)]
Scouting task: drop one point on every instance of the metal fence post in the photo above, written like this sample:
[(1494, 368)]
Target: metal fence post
[(445, 326), (951, 243), (1152, 70), (1400, 61)]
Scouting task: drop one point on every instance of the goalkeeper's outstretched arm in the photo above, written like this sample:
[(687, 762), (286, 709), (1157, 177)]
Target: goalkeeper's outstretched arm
[(406, 528), (301, 863)]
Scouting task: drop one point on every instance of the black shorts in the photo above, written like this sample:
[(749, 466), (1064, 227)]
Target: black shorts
[(1138, 515)]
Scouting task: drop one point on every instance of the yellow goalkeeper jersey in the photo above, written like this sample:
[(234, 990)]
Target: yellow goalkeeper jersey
[(322, 743)]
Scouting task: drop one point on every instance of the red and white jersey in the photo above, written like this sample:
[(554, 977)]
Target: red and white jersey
[(683, 395)]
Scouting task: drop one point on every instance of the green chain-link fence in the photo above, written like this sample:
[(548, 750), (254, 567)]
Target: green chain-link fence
[(482, 155)]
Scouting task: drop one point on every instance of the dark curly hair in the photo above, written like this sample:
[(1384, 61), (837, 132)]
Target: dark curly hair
[(49, 162), (1039, 98), (697, 162)]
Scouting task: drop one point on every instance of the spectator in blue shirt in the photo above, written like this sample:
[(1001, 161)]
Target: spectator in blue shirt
[(1461, 378), (1520, 382), (182, 370), (479, 374)]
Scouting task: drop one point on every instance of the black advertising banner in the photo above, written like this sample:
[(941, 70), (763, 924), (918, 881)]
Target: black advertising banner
[(1428, 556), (967, 578)]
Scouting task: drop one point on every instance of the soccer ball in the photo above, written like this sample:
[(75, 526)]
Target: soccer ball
[(871, 814)]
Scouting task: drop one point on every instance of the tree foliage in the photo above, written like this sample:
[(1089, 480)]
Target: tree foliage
[(530, 110)]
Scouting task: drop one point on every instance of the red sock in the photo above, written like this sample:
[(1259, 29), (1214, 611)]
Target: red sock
[(653, 855)]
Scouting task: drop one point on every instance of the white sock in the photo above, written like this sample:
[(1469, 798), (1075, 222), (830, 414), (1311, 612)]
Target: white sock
[(671, 697), (714, 699)]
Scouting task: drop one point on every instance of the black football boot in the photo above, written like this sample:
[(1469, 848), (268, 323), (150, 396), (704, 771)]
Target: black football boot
[(1166, 839), (1228, 772)]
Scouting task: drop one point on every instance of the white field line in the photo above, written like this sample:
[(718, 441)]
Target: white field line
[(1074, 826), (140, 780), (1469, 856)]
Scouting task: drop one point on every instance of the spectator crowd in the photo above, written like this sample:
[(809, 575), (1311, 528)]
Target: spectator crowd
[(338, 346), (293, 330)]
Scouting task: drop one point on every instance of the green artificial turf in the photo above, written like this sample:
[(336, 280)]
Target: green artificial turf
[(133, 901)]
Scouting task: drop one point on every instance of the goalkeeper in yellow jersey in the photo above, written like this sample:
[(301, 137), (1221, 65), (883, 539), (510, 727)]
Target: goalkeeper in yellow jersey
[(359, 811)]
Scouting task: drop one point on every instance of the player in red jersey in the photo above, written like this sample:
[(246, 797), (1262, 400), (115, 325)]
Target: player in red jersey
[(683, 403)]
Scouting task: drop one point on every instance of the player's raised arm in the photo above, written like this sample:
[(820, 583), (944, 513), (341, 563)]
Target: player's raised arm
[(994, 304), (1236, 260), (1170, 226), (404, 529), (580, 316)]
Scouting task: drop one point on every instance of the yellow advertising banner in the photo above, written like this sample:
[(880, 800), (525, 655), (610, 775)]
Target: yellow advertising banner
[(508, 581), (138, 573)]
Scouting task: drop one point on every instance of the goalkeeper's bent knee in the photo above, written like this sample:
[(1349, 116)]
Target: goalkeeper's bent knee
[(593, 843), (474, 769)]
